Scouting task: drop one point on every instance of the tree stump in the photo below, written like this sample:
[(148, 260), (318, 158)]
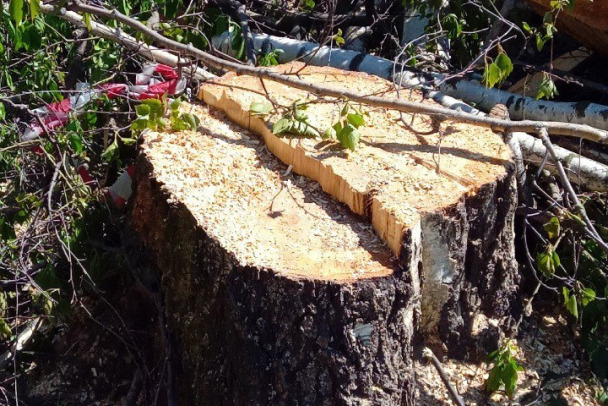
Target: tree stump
[(307, 284)]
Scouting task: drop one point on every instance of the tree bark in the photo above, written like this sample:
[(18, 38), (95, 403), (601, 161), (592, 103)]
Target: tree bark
[(249, 331), (245, 335)]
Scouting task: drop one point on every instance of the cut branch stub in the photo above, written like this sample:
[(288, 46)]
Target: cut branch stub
[(279, 294)]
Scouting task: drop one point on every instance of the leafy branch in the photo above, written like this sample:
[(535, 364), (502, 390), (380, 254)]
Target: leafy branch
[(581, 131), (295, 122)]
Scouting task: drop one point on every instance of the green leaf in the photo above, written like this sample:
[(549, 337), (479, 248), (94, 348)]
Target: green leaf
[(338, 128), (86, 17), (31, 37), (338, 38), (34, 8), (345, 110), (493, 381), (5, 330), (491, 75), (572, 306), (307, 5), (493, 356), (548, 261), (15, 10), (587, 296), (547, 88), (175, 105), (2, 111), (356, 120), (191, 121), (156, 108), (510, 377), (177, 124), (260, 107), (282, 125), (3, 304), (552, 228), (128, 140), (329, 133), (504, 64), (76, 143), (142, 110), (349, 137), (540, 42), (111, 153), (526, 27), (139, 124), (301, 127)]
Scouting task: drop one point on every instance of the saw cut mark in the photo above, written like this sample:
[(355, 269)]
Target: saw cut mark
[(389, 154)]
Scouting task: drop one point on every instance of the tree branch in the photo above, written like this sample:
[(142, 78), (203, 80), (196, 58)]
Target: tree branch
[(590, 228), (575, 130), (238, 11), (147, 51)]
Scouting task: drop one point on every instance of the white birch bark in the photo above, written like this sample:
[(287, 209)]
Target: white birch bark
[(470, 91)]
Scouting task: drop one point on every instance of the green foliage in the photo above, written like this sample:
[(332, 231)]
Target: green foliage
[(497, 71), (547, 88), (505, 369), (295, 122), (15, 9), (238, 42), (149, 115), (307, 5), (580, 271), (461, 20), (271, 58), (346, 129), (338, 39), (548, 261), (260, 108), (182, 121)]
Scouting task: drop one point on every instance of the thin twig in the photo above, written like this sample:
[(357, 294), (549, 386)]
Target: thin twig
[(428, 353), (576, 130), (590, 229)]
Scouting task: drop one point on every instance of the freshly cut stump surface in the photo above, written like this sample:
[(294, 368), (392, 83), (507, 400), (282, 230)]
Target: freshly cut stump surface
[(275, 292), (451, 192)]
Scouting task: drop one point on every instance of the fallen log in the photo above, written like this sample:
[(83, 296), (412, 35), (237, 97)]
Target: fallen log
[(468, 90), (277, 293)]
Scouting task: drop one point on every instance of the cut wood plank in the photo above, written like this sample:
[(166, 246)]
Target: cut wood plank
[(529, 85)]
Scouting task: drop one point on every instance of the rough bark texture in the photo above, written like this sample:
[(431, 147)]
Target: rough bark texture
[(252, 335), (468, 268), (248, 336)]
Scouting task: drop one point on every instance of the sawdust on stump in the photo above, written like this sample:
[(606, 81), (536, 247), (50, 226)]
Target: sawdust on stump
[(403, 174), (275, 291), (406, 183)]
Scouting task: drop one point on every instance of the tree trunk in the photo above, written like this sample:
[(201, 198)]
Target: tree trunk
[(276, 293)]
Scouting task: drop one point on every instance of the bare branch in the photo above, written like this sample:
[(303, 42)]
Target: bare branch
[(576, 130), (590, 228), (147, 51)]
